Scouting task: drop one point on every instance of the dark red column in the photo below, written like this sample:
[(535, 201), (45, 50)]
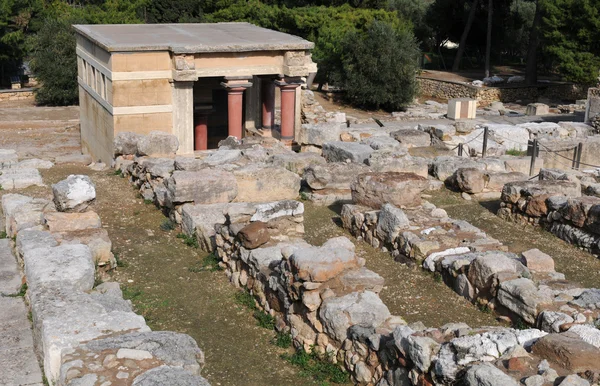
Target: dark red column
[(268, 106), (235, 106), (288, 109), (201, 130)]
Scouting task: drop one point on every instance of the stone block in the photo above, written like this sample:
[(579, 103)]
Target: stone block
[(399, 189), (522, 297), (469, 180), (157, 167), (398, 161), (319, 134), (462, 108), (390, 222), (34, 163), (386, 143), (20, 178), (95, 238), (538, 261), (70, 222), (169, 375), (10, 274), (126, 143), (445, 166), (254, 235), (208, 186), (568, 351), (222, 157), (346, 152), (297, 162), (486, 374), (8, 158), (74, 194), (201, 221), (158, 143), (534, 109), (412, 137), (335, 175), (260, 183), (319, 264)]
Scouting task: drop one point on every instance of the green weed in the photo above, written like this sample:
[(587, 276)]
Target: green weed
[(148, 202), (316, 367), (131, 293), (211, 263), (118, 172), (21, 293), (283, 340), (190, 241), (264, 320), (519, 324), (3, 235), (516, 152), (167, 225), (437, 277), (303, 196), (245, 298), (120, 262)]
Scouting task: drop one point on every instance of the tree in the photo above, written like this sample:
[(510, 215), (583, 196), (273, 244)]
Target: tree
[(465, 34), (54, 61), (378, 67), (531, 69), (170, 11), (488, 44)]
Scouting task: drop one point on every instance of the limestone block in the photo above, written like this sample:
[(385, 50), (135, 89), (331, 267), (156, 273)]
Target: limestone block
[(469, 180), (509, 136), (34, 163), (266, 212), (522, 297), (60, 265), (157, 167), (497, 180), (260, 183), (550, 321), (462, 108), (319, 264), (297, 162), (334, 175), (338, 151), (569, 351), (169, 375), (8, 158), (31, 239), (486, 374), (376, 189), (22, 212), (362, 279), (9, 270), (74, 194), (412, 137), (201, 221), (189, 164), (340, 313), (126, 143), (489, 264), (319, 134), (158, 143), (534, 109), (70, 222), (222, 157), (538, 261), (95, 238), (382, 142), (390, 222), (20, 178), (398, 161), (207, 186), (444, 166)]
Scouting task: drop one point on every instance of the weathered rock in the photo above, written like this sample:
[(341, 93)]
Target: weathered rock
[(34, 163), (399, 189), (391, 220), (58, 266), (486, 374), (268, 211), (319, 264), (74, 194), (412, 137), (346, 151), (339, 313), (8, 158), (158, 143), (569, 351), (319, 134), (297, 162), (208, 186), (157, 167), (589, 298), (259, 183), (189, 164), (385, 143), (333, 175), (362, 279), (538, 261), (201, 221), (20, 178), (550, 321), (444, 166), (254, 235), (421, 349), (398, 161), (515, 190), (573, 380), (166, 375), (469, 180), (10, 275), (223, 156), (522, 297), (126, 143), (70, 222), (487, 265), (587, 333), (96, 239)]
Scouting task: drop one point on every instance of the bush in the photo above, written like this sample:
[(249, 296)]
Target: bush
[(54, 62), (379, 66)]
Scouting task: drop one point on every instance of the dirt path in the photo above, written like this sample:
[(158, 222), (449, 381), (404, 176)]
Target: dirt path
[(160, 277), (577, 265), (409, 292)]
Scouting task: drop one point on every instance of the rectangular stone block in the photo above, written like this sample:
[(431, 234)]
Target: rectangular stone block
[(462, 108)]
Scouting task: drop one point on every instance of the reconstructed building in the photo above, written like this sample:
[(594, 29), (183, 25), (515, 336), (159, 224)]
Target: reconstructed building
[(200, 82)]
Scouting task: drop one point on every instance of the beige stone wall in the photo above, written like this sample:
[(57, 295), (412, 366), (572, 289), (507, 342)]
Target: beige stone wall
[(239, 64), (147, 92), (17, 95), (97, 128), (144, 123), (141, 61)]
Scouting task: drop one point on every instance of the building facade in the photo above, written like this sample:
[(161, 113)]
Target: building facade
[(200, 82)]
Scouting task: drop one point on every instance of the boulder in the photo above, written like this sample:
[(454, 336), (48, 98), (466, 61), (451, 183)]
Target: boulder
[(469, 180), (157, 167), (444, 166), (158, 143), (70, 222), (522, 297), (207, 186), (297, 162), (254, 235), (488, 265), (486, 374), (497, 180), (573, 380), (335, 175), (126, 143), (222, 157), (568, 351), (412, 137), (319, 134), (260, 183), (538, 261), (338, 314), (589, 298), (346, 152), (399, 189), (550, 321), (390, 222), (74, 194)]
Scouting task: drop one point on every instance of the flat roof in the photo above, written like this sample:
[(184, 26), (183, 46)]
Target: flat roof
[(190, 38)]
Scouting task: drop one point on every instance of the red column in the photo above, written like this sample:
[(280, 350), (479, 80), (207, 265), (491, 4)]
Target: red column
[(288, 110), (268, 105), (201, 131), (235, 105)]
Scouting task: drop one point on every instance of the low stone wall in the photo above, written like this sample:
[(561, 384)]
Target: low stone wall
[(485, 95), (17, 95), (86, 333)]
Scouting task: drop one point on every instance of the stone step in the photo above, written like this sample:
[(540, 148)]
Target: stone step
[(10, 274), (18, 363)]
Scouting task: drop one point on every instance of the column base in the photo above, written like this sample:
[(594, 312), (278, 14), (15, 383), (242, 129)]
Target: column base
[(266, 132)]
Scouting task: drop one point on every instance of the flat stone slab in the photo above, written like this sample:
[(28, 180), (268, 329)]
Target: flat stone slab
[(10, 274), (20, 178), (18, 364)]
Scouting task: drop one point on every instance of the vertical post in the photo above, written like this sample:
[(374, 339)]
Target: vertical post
[(460, 149), (268, 106), (201, 131), (235, 106), (534, 154), (485, 139), (579, 151), (574, 162), (288, 109)]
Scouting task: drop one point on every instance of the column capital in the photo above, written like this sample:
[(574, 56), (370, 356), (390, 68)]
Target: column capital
[(237, 83), (288, 83)]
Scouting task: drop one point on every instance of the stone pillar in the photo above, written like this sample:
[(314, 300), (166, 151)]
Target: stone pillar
[(183, 115), (288, 108), (235, 104), (268, 106), (201, 128)]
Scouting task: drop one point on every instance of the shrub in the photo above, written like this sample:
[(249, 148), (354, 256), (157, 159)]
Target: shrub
[(379, 66)]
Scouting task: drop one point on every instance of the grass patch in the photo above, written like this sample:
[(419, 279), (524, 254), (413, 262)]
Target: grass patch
[(167, 225), (519, 324), (190, 241), (118, 172), (21, 293), (264, 320), (3, 235), (131, 293), (303, 196), (211, 263), (437, 277), (120, 262), (516, 152), (485, 309), (245, 298), (148, 202), (316, 367), (283, 340)]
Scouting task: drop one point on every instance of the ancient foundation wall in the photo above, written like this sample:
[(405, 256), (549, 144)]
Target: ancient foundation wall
[(17, 95)]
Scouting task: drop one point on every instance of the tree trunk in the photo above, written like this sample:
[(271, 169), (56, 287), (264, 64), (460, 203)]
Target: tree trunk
[(488, 46), (534, 40), (463, 38)]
